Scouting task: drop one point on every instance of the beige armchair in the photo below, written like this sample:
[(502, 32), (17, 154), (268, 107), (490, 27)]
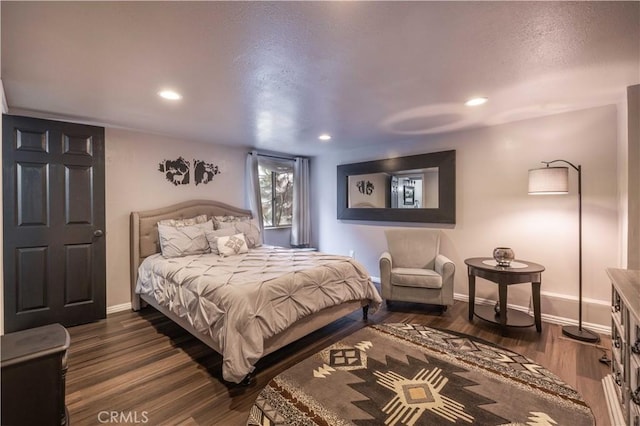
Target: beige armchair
[(413, 270)]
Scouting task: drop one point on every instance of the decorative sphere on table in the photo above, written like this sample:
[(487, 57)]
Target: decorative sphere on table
[(503, 256)]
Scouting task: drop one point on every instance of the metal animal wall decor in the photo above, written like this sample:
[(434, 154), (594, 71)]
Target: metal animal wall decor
[(178, 171), (204, 172), (365, 187)]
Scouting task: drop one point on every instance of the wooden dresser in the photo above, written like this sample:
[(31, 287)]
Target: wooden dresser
[(34, 365), (622, 385)]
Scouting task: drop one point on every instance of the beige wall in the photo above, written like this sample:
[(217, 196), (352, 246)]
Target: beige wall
[(134, 183), (1, 252), (633, 170), (493, 208), (623, 180), (629, 177), (1, 217)]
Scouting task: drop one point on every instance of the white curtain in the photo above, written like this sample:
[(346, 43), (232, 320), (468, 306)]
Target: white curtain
[(301, 226), (253, 189)]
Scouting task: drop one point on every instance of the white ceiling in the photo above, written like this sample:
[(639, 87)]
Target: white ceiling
[(276, 75)]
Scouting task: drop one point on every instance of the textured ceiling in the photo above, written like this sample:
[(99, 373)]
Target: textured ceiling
[(276, 75)]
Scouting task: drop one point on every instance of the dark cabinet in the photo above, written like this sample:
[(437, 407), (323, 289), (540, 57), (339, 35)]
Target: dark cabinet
[(34, 365), (622, 385)]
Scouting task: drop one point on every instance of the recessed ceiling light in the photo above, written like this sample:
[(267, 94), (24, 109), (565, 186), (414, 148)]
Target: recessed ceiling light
[(324, 137), (476, 101), (170, 94)]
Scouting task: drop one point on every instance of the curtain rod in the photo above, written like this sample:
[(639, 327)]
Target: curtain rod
[(273, 156)]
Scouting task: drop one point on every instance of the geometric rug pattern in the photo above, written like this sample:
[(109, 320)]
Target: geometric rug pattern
[(411, 374)]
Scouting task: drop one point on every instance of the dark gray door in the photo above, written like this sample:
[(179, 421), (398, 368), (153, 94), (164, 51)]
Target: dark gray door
[(53, 207)]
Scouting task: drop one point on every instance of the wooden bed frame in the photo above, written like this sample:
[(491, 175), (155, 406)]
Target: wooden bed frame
[(144, 242)]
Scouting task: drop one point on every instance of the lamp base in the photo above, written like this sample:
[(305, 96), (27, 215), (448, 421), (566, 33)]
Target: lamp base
[(579, 333)]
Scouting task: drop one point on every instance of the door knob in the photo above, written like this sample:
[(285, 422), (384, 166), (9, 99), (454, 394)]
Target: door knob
[(98, 233)]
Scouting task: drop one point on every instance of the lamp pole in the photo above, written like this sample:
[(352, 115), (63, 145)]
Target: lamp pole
[(572, 331)]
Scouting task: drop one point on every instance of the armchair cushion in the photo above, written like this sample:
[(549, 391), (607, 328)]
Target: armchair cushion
[(415, 277)]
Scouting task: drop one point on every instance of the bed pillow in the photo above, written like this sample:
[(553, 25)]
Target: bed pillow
[(184, 222), (232, 245), (184, 240), (217, 220), (249, 228), (212, 237)]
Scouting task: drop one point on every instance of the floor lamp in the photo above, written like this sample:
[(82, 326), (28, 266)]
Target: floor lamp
[(555, 180)]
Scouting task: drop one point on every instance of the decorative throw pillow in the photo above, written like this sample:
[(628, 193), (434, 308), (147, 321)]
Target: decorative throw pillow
[(184, 240), (217, 220), (184, 222), (250, 228), (212, 237), (232, 245)]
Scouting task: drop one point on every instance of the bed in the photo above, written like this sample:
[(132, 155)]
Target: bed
[(247, 305)]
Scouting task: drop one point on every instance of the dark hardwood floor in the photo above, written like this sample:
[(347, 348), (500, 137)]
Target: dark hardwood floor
[(139, 367)]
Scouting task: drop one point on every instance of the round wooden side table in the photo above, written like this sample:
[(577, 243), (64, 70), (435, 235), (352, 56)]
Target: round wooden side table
[(520, 271)]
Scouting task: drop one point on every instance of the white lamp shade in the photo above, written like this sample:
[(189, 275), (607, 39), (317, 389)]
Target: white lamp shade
[(549, 180)]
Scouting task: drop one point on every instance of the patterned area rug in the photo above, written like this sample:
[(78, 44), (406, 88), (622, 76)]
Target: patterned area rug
[(409, 374)]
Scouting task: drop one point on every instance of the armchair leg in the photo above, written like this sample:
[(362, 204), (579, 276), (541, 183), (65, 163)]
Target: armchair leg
[(365, 312), (443, 309)]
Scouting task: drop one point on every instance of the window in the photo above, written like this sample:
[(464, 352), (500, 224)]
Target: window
[(276, 192)]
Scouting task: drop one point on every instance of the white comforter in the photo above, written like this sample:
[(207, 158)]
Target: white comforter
[(239, 301)]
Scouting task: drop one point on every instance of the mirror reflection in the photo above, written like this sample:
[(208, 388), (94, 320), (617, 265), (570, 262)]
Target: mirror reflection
[(406, 189), (415, 188)]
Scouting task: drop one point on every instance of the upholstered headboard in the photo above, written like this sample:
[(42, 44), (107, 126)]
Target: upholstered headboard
[(144, 230)]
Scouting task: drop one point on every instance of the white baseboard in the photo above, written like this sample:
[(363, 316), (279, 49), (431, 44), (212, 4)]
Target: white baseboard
[(566, 304), (553, 319), (118, 308)]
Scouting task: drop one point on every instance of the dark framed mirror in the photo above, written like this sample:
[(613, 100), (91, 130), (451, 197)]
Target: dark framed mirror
[(417, 188)]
